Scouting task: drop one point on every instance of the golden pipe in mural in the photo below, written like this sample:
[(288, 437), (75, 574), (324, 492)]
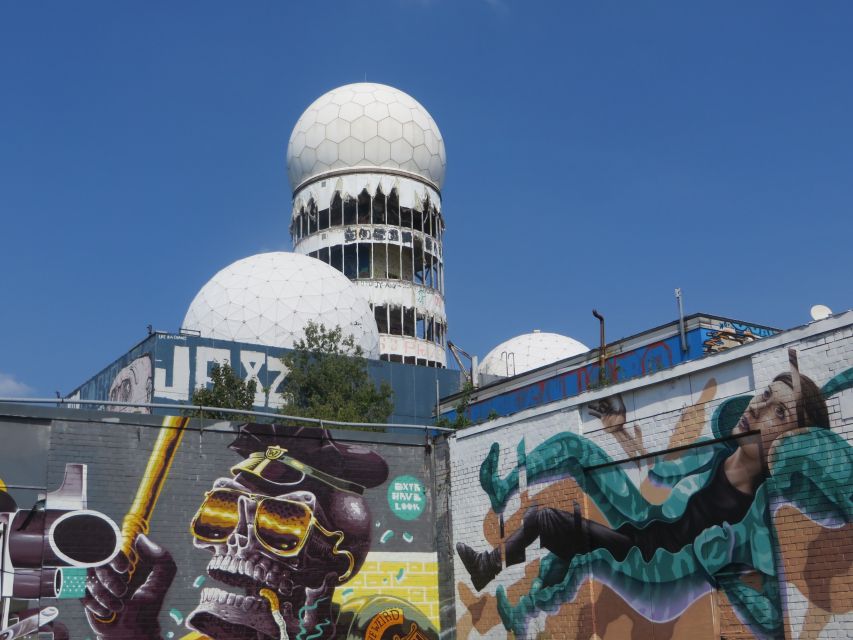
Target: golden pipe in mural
[(138, 518)]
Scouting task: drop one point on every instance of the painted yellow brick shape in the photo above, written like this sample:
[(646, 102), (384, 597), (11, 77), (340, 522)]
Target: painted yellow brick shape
[(410, 576)]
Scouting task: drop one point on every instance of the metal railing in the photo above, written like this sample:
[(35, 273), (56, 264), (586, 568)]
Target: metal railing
[(182, 408)]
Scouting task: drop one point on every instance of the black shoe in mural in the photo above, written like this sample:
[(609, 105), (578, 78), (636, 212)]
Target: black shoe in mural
[(482, 566)]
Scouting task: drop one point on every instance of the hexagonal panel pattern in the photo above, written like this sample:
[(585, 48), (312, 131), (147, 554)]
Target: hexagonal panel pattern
[(268, 299), (333, 131), (529, 351)]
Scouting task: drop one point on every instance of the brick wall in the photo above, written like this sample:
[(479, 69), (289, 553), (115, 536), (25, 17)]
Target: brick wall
[(396, 544), (784, 569)]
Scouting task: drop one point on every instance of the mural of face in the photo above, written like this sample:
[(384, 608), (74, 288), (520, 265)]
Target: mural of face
[(773, 412), (133, 384), (279, 527)]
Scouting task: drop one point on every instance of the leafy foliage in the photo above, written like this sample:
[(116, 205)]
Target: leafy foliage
[(228, 392), (328, 379), (461, 408)]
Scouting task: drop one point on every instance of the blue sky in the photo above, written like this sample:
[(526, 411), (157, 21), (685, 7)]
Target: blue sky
[(599, 155)]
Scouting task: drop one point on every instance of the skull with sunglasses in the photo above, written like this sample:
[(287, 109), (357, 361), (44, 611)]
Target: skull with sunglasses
[(288, 527)]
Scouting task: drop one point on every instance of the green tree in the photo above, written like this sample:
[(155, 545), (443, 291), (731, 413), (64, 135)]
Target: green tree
[(328, 379), (228, 392), (461, 408)]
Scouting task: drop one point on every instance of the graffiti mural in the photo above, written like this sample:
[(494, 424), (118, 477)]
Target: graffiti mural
[(594, 535), (134, 384), (263, 531)]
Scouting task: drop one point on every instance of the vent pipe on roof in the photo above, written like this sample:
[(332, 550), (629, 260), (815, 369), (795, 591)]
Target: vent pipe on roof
[(681, 329), (602, 349)]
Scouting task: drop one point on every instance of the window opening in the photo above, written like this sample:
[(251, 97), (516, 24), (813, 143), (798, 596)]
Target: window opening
[(364, 260), (350, 261), (312, 218), (394, 261), (336, 257), (394, 210), (350, 210), (379, 207), (406, 217), (428, 269), (364, 207), (324, 219), (324, 255), (380, 261), (395, 320), (337, 211), (407, 264), (380, 312), (409, 322), (418, 251)]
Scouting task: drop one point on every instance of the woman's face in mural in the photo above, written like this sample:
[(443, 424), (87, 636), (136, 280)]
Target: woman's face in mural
[(772, 412)]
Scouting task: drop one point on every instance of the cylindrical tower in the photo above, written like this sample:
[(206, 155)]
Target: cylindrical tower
[(366, 164)]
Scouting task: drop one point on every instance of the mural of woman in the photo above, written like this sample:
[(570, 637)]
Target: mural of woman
[(714, 525)]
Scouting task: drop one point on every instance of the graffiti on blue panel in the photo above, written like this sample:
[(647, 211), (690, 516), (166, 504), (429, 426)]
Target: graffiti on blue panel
[(645, 360), (740, 327)]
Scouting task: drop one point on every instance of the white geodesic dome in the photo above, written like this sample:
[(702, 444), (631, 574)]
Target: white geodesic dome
[(529, 351), (363, 126), (268, 299)]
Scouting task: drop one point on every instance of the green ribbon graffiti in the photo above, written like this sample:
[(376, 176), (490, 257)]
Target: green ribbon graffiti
[(811, 468)]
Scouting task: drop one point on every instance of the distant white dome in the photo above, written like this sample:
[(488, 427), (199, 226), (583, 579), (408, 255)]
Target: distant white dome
[(365, 126), (529, 351), (269, 298)]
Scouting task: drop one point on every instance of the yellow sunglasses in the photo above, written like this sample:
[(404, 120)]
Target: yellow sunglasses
[(281, 526)]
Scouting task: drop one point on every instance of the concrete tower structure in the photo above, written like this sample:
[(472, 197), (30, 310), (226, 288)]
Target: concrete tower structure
[(366, 164)]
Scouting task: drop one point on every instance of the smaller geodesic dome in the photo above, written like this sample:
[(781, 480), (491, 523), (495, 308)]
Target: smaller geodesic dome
[(268, 299), (529, 351)]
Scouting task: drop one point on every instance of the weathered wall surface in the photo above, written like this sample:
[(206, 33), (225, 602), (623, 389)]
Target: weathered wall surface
[(167, 368), (335, 528), (711, 501)]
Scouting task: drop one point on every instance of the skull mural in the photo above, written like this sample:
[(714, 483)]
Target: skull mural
[(287, 527)]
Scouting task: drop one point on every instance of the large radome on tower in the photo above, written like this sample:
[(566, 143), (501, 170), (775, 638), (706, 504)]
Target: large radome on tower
[(268, 299), (366, 164)]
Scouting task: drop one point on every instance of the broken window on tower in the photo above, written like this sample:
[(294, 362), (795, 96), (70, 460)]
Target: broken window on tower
[(350, 209), (394, 261), (379, 207), (337, 210), (350, 261), (364, 207), (395, 320)]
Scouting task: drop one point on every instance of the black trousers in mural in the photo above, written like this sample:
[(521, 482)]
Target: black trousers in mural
[(566, 534)]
